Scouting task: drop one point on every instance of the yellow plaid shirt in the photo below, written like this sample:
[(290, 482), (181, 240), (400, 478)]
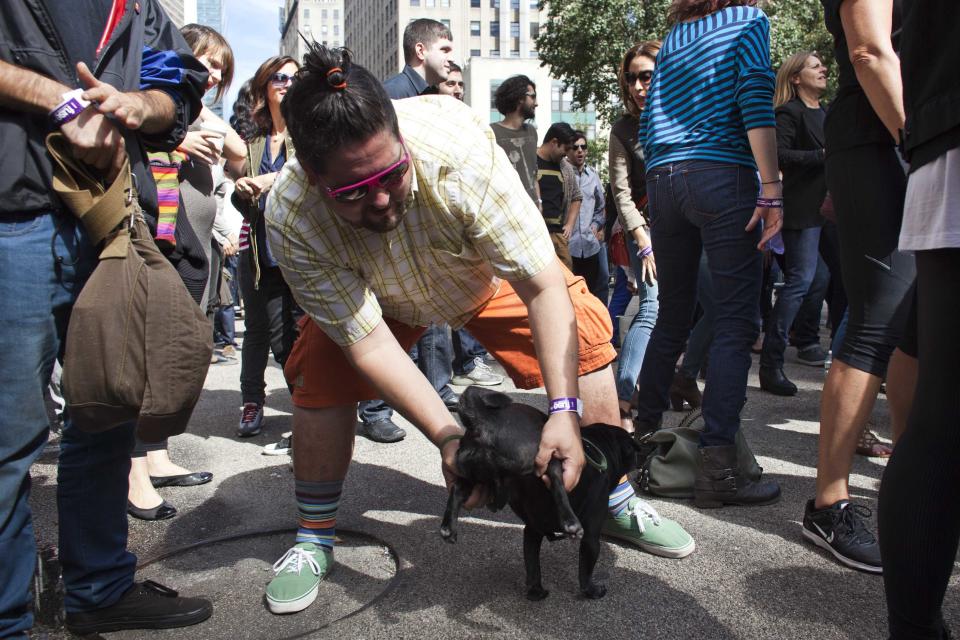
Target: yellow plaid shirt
[(469, 223)]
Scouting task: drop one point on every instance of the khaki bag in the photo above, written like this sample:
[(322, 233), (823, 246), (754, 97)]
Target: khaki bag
[(138, 347), (671, 467)]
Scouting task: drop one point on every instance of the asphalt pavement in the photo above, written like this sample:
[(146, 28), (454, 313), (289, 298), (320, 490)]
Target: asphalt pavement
[(752, 575)]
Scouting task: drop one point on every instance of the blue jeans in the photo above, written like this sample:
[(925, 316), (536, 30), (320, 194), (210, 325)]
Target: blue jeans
[(225, 319), (638, 335), (433, 356), (704, 206), (465, 349), (619, 301), (44, 261), (601, 288), (800, 258), (702, 334)]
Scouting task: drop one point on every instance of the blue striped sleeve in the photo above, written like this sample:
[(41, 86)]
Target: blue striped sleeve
[(755, 79)]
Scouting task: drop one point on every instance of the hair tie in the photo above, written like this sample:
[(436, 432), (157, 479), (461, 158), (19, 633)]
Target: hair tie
[(342, 85)]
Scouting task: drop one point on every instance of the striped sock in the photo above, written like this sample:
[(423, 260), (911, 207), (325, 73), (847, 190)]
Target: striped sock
[(317, 504), (620, 496)]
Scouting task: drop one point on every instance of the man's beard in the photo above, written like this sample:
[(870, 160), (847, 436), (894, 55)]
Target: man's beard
[(527, 112), (384, 223)]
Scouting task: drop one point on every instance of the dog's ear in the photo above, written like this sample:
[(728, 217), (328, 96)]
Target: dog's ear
[(496, 400)]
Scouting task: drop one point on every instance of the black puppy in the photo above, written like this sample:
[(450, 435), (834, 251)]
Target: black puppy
[(498, 451)]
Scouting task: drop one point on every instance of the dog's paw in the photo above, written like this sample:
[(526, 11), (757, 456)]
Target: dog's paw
[(595, 591), (573, 528), (448, 534), (536, 594)]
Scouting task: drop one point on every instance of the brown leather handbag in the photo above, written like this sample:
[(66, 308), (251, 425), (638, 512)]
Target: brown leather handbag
[(138, 347)]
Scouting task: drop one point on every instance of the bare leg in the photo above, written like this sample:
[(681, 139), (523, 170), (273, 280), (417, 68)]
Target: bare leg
[(598, 392), (141, 492), (848, 398), (901, 385), (626, 416), (323, 442)]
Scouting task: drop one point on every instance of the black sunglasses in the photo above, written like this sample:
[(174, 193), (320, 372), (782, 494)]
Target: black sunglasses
[(578, 146), (643, 76)]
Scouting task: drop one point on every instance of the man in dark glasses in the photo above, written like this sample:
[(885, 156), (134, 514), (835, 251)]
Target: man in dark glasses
[(395, 215)]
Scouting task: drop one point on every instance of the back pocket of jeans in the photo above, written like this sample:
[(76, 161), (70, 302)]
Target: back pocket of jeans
[(713, 190)]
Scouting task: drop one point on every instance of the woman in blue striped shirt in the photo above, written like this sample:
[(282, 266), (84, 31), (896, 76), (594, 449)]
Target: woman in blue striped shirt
[(707, 129)]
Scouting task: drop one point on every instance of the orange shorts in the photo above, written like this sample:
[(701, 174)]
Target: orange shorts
[(322, 377)]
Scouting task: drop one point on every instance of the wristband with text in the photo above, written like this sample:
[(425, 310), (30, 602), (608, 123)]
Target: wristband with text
[(558, 405), (71, 105), (770, 203)]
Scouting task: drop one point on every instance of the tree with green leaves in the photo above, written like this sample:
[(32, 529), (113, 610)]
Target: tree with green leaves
[(583, 42)]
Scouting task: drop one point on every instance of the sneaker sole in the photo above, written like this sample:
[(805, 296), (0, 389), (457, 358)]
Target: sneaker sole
[(466, 382), (293, 606), (853, 564), (167, 622), (273, 450), (656, 550)]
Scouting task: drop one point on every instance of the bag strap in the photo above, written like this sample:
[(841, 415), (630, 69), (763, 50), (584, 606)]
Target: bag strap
[(100, 209)]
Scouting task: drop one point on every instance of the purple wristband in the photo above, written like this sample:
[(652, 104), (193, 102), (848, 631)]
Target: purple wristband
[(770, 203), (643, 253), (71, 107), (558, 405)]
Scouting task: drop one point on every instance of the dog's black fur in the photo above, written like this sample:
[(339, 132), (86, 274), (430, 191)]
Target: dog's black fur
[(498, 451)]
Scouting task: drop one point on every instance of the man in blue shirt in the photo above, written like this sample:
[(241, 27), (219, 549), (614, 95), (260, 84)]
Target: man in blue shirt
[(586, 238)]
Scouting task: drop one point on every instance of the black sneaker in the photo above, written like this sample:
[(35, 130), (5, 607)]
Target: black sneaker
[(384, 431), (841, 530), (812, 354), (145, 605)]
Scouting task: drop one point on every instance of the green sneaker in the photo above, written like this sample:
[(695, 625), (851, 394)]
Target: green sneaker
[(641, 525), (299, 573)]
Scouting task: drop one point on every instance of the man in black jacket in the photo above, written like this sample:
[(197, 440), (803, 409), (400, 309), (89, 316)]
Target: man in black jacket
[(136, 82)]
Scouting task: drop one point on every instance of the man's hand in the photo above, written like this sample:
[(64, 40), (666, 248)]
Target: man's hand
[(96, 141), (561, 440), (568, 230), (200, 145), (599, 233), (128, 109), (448, 459)]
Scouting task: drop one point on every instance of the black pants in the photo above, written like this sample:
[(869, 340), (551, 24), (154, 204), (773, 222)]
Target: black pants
[(919, 521), (269, 325), (589, 267), (868, 187)]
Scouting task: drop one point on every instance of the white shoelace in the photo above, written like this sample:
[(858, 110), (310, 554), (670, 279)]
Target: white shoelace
[(482, 366), (294, 561), (641, 509)]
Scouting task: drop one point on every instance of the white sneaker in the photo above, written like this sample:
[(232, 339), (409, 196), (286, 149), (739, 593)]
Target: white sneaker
[(481, 374)]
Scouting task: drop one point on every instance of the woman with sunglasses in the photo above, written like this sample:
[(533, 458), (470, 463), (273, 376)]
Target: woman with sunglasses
[(208, 139), (268, 305), (707, 131), (628, 184)]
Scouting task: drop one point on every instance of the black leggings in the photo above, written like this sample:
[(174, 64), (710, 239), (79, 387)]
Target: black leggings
[(919, 521), (868, 187)]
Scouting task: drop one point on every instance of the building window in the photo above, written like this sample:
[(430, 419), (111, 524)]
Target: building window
[(494, 53), (515, 53), (560, 100), (495, 29), (323, 30), (535, 4), (534, 30), (336, 14), (475, 27), (494, 85), (414, 3), (306, 14), (494, 4), (444, 3), (446, 23), (323, 14), (515, 5), (430, 3), (474, 4), (474, 53), (336, 29), (514, 29)]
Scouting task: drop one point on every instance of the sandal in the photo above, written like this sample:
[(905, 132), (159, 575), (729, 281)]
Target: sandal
[(871, 446)]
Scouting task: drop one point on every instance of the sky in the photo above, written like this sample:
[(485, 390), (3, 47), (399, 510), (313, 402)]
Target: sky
[(253, 31)]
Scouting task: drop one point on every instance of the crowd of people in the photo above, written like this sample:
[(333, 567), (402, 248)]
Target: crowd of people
[(384, 242)]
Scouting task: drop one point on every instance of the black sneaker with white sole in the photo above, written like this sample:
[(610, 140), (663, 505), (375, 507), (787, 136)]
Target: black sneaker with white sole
[(812, 354), (841, 530)]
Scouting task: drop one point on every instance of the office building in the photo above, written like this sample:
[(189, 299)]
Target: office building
[(319, 20)]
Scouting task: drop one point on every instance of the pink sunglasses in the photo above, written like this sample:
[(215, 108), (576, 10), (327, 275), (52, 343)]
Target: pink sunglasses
[(389, 177)]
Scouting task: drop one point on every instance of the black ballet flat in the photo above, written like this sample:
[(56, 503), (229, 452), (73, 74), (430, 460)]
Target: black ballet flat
[(183, 480), (163, 511)]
